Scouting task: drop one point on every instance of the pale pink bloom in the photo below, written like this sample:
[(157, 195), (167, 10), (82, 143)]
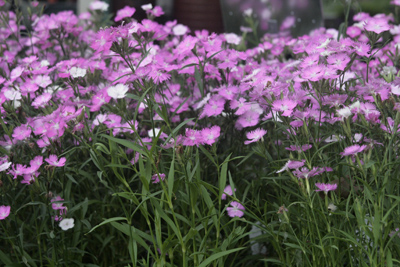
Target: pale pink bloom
[(232, 38), (56, 203), (352, 150), (98, 5), (377, 25), (227, 191), (41, 100), (4, 166), (255, 136), (396, 3), (292, 164), (210, 134), (22, 132), (126, 12), (285, 106), (236, 210), (54, 161), (4, 212), (325, 187)]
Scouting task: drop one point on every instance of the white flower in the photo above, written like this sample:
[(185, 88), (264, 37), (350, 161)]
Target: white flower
[(11, 94), (332, 207), (98, 5), (156, 132), (344, 112), (248, 12), (4, 166), (147, 7), (117, 91), (232, 38), (395, 89), (66, 224), (180, 29), (77, 72)]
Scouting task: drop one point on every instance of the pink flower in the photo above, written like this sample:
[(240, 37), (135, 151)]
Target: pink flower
[(227, 191), (4, 212), (255, 135), (192, 138), (54, 161), (126, 12), (56, 203), (210, 134), (156, 178), (377, 25), (325, 187), (292, 165), (285, 106), (338, 61), (353, 31), (214, 107), (248, 119), (236, 210), (41, 100), (299, 148), (22, 132), (306, 173), (362, 49), (352, 150)]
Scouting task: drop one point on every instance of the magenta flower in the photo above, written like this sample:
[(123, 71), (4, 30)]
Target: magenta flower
[(156, 178), (352, 150), (255, 135), (192, 138), (54, 161), (236, 210), (325, 187), (227, 191), (4, 212), (126, 12)]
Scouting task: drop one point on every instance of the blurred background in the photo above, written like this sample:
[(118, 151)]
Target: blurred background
[(228, 15)]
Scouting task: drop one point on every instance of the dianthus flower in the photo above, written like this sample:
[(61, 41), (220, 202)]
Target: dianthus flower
[(4, 212), (54, 161), (236, 210), (227, 191), (325, 187), (156, 177), (255, 135), (126, 12), (352, 150)]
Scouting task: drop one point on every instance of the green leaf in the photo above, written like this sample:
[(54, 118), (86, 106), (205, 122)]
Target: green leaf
[(213, 257), (107, 221), (126, 143), (222, 178)]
